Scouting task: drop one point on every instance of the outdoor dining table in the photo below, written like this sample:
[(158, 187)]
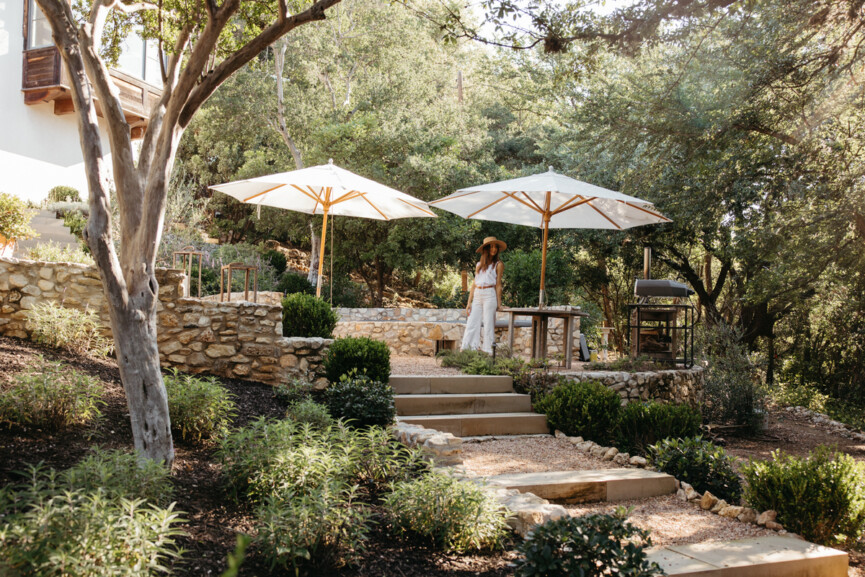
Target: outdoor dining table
[(540, 327)]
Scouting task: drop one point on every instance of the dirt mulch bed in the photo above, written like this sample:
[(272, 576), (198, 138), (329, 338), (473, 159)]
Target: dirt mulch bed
[(214, 519)]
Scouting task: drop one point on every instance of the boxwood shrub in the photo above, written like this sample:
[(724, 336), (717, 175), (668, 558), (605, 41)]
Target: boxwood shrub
[(361, 401), (304, 315), (588, 409), (360, 354), (644, 424), (704, 465)]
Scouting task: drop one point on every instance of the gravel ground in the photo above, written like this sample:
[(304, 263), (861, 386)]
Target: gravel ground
[(527, 455), (423, 366)]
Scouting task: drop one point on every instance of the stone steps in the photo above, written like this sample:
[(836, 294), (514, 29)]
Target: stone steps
[(459, 404), (469, 425), (590, 486), (451, 384), (770, 556)]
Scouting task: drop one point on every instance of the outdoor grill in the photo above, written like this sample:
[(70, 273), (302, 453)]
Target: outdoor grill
[(660, 326)]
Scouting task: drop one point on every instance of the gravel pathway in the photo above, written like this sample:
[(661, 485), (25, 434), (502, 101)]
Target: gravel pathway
[(421, 366), (527, 455)]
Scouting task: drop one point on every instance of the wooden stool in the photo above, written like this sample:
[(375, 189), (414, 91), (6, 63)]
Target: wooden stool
[(246, 270), (187, 255)]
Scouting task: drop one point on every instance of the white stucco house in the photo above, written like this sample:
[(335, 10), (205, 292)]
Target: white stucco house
[(39, 142)]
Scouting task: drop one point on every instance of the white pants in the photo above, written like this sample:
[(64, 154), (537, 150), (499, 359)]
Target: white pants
[(483, 312)]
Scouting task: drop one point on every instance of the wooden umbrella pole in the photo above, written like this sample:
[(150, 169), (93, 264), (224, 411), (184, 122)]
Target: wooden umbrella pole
[(325, 206), (542, 297)]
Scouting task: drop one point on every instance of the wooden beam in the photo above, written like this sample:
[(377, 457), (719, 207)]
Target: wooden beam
[(32, 97)]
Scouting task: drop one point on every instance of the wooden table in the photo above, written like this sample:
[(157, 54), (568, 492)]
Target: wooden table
[(540, 326)]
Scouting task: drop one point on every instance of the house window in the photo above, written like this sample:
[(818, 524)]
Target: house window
[(38, 31), (140, 58)]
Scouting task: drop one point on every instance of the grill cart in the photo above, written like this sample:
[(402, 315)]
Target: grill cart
[(660, 326)]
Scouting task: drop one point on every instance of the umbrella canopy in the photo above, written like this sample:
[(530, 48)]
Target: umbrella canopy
[(550, 200), (326, 190)]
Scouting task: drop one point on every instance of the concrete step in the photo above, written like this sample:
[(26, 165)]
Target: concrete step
[(451, 384), (770, 556), (483, 424), (462, 404), (590, 486)]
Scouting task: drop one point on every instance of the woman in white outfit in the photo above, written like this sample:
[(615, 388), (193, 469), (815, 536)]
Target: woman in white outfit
[(485, 297)]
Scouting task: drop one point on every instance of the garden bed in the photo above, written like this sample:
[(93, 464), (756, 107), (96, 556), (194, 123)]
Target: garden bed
[(213, 518)]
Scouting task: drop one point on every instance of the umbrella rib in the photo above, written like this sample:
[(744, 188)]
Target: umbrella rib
[(363, 196), (452, 197), (659, 215), (352, 194), (565, 206), (312, 196), (536, 206), (429, 212), (599, 211), (514, 196), (493, 203), (261, 193)]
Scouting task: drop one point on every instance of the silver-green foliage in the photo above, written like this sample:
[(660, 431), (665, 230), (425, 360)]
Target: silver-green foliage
[(120, 475), (50, 529), (308, 411), (56, 252), (52, 396), (457, 516), (77, 331), (201, 408)]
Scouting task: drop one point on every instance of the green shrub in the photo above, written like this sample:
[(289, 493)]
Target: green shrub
[(361, 401), (53, 396), (60, 208), (592, 545), (76, 223), (306, 316), (120, 475), (308, 411), (56, 252), (644, 424), (321, 527), (276, 259), (456, 515), (293, 391), (700, 463), (629, 365), (821, 497), (589, 410), (15, 218), (52, 532), (346, 293), (361, 354), (64, 194), (291, 283), (200, 408), (80, 332)]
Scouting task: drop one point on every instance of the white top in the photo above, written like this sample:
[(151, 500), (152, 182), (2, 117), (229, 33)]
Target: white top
[(486, 277)]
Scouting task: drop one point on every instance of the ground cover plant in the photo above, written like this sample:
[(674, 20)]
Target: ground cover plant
[(201, 408), (700, 463), (592, 545), (821, 496), (51, 396), (366, 356), (69, 328)]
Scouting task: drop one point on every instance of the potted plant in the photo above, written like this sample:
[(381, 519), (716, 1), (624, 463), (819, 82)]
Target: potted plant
[(14, 223)]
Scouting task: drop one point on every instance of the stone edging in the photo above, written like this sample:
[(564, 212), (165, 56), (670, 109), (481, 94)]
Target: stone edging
[(685, 492), (527, 510), (824, 419)]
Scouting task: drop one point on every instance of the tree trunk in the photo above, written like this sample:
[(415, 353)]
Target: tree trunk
[(379, 277), (282, 128), (312, 277)]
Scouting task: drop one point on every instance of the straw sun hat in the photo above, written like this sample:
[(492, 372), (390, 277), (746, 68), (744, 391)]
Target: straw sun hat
[(493, 240)]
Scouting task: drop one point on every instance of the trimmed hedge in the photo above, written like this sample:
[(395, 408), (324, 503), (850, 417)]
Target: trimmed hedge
[(306, 316), (361, 354)]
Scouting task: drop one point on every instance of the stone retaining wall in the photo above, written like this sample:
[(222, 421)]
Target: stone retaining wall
[(236, 339), (680, 386)]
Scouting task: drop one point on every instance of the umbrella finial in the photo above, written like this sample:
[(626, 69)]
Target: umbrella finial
[(551, 169), (330, 161)]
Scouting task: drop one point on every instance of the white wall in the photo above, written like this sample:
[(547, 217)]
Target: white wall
[(38, 150)]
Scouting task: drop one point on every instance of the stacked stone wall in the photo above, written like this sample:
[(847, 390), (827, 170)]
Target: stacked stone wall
[(230, 339), (680, 386)]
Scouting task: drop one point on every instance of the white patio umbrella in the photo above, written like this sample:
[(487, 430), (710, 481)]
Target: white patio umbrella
[(550, 200), (326, 190)]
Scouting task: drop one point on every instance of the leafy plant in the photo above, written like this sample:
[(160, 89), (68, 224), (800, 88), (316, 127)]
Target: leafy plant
[(64, 194), (361, 401), (821, 497), (200, 408), (15, 218), (363, 355), (77, 331), (457, 516), (308, 411), (291, 283), (700, 463), (293, 391), (628, 365), (56, 252), (589, 546), (52, 396), (276, 259), (306, 316), (120, 475), (644, 424), (76, 223), (587, 409)]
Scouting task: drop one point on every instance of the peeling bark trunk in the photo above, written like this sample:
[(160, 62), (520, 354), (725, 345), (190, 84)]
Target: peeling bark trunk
[(312, 277)]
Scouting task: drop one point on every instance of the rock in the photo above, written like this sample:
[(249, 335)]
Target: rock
[(575, 440), (708, 501), (637, 461), (719, 505), (621, 459), (215, 351), (598, 451), (748, 515), (560, 435), (686, 486), (730, 511), (585, 446), (691, 493), (766, 517), (681, 495), (610, 454), (774, 526)]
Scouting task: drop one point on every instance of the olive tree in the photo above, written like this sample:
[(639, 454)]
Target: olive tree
[(202, 43)]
